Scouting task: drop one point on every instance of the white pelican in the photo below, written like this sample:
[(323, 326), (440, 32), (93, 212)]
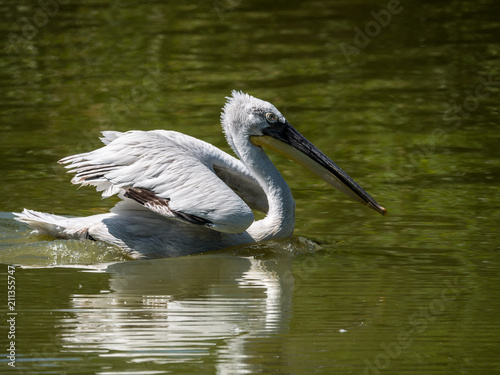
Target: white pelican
[(181, 195)]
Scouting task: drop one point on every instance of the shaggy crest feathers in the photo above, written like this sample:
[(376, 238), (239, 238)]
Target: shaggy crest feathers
[(239, 112), (233, 110)]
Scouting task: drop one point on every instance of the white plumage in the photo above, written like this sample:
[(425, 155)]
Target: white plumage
[(181, 195)]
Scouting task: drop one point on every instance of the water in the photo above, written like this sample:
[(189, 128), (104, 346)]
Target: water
[(404, 99)]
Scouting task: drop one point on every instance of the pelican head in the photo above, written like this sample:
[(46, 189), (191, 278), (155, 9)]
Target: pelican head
[(250, 119)]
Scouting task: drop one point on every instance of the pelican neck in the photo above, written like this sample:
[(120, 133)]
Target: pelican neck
[(280, 219)]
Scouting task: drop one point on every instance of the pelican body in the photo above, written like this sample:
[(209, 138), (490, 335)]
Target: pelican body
[(180, 195)]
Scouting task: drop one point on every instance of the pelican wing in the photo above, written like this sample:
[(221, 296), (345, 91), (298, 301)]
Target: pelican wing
[(173, 175)]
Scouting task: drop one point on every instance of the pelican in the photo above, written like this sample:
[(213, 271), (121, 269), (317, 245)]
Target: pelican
[(180, 195)]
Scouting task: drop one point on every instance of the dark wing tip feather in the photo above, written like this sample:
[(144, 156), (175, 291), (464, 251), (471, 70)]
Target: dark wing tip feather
[(160, 205)]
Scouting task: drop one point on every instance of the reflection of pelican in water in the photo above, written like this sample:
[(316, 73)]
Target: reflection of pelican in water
[(182, 310), (182, 195)]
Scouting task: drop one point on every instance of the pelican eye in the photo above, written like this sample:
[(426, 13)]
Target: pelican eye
[(271, 117)]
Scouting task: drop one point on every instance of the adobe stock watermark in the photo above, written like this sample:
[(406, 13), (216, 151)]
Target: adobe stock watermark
[(308, 264), (453, 118), (224, 6), (373, 28), (30, 26), (11, 315), (457, 112), (124, 105), (304, 268), (152, 79), (418, 323)]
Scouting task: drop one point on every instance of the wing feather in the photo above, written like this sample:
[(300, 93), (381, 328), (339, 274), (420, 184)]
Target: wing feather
[(173, 175)]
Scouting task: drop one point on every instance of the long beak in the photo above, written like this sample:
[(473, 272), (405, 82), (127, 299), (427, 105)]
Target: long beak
[(283, 138)]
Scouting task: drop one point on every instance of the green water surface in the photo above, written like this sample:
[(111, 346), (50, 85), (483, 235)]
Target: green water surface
[(403, 95)]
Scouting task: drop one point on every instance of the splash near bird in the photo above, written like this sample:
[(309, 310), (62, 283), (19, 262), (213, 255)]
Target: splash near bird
[(181, 195)]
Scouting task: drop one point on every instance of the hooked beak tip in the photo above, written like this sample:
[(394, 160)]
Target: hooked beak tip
[(381, 210)]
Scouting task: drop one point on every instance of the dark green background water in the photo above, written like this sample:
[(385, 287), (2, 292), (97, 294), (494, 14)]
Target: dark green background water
[(406, 102)]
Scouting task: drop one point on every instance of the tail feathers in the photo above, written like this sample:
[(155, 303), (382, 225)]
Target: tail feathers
[(54, 225)]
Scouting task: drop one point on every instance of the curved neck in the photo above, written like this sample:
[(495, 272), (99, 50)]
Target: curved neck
[(280, 219)]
